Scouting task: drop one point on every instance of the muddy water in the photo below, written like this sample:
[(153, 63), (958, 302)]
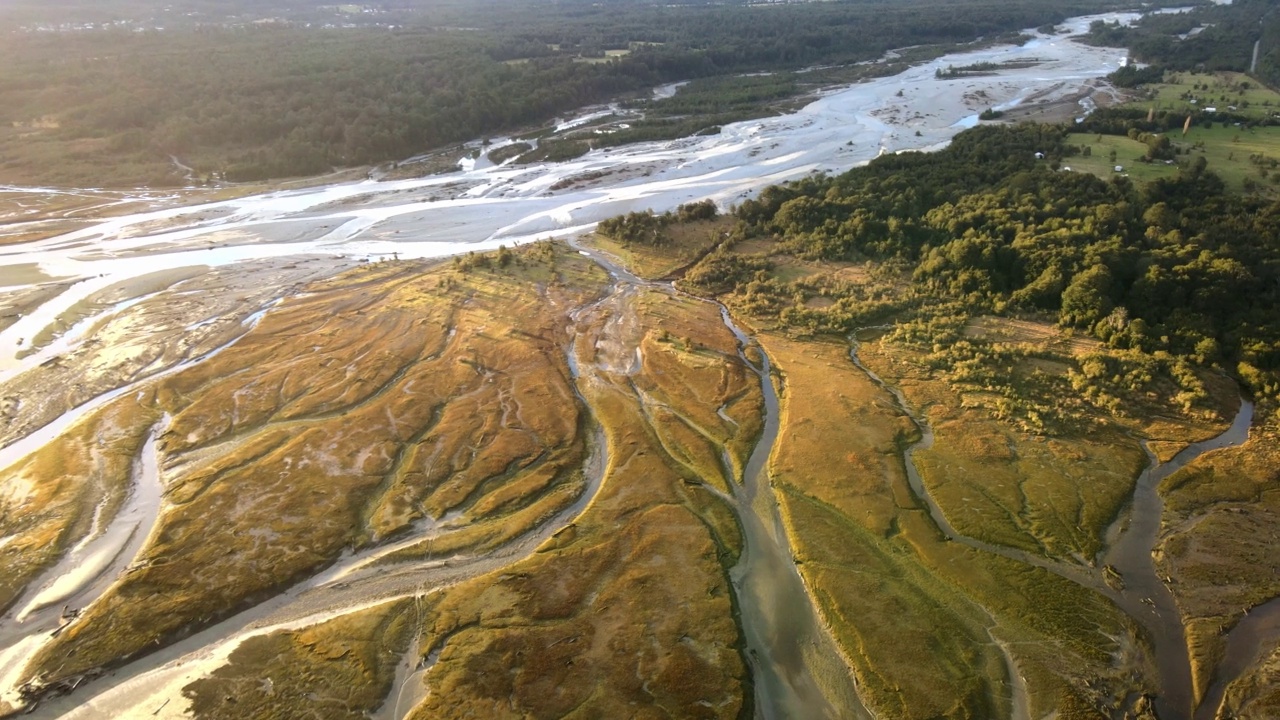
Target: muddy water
[(1145, 596), (785, 637), (786, 641), (407, 688), (85, 573), (1256, 634)]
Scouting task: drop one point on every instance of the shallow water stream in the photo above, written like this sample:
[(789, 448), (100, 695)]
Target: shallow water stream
[(786, 641), (478, 208), (784, 634), (1130, 542), (1145, 596)]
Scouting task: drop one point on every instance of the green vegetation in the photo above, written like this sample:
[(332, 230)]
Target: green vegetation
[(917, 615), (1245, 159), (647, 228), (240, 101), (683, 245), (1236, 96), (1175, 277), (506, 152), (1210, 37), (981, 68)]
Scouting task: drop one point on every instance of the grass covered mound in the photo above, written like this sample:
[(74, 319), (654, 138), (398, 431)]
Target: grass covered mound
[(1217, 540), (386, 395), (49, 499), (630, 607), (344, 667)]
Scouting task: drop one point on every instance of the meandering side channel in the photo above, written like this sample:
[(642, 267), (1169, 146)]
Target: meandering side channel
[(783, 633), (778, 615), (1131, 540), (1145, 596)]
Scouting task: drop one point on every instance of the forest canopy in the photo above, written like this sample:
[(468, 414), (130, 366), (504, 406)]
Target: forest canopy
[(1177, 271), (251, 99)]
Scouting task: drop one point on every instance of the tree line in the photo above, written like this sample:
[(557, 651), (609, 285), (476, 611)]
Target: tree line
[(255, 101), (1178, 268)]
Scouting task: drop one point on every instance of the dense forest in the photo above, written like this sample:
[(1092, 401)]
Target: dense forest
[(260, 100), (1207, 38), (1175, 274)]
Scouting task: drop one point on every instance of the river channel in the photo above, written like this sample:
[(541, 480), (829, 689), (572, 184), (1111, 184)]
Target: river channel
[(96, 274), (788, 647), (1131, 541)]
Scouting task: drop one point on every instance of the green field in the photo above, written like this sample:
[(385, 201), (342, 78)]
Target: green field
[(1242, 157), (1127, 155), (1221, 90)]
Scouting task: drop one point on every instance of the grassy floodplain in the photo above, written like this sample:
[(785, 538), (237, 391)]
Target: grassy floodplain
[(912, 611), (50, 497), (1243, 154), (345, 416), (1026, 461), (559, 632), (921, 613), (464, 414), (1225, 91), (506, 485), (586, 626)]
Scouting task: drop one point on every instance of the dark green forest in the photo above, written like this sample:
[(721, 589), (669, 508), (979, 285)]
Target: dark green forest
[(1177, 273), (1219, 37), (253, 101)]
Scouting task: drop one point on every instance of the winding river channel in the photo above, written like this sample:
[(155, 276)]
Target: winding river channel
[(116, 269), (784, 634), (1131, 540)]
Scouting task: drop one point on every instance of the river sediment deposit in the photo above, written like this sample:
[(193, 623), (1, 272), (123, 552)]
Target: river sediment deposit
[(325, 443)]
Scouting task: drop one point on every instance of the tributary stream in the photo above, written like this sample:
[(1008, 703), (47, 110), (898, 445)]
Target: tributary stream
[(484, 205), (1130, 542), (797, 669)]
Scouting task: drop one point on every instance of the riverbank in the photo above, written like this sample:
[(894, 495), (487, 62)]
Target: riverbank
[(374, 388)]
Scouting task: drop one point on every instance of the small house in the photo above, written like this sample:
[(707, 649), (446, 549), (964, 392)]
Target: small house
[(1039, 156), (1119, 168)]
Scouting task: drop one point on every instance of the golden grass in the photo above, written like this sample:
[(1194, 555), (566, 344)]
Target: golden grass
[(701, 382), (1045, 337), (48, 499), (1218, 543), (283, 457), (343, 668), (1256, 695), (1050, 496), (628, 610), (687, 243), (383, 395), (397, 392), (912, 611)]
